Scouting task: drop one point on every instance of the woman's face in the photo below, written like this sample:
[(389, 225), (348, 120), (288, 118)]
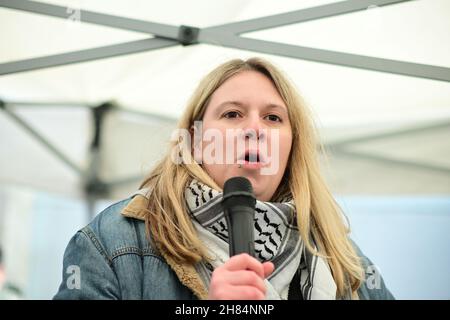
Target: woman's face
[(256, 137)]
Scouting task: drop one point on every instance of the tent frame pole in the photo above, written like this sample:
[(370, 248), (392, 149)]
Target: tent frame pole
[(227, 35), (40, 138), (85, 55)]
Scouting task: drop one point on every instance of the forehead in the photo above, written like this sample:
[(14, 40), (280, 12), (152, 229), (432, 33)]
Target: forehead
[(248, 87)]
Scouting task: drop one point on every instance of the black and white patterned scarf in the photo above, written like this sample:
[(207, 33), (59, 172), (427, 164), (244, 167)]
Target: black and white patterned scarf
[(277, 240)]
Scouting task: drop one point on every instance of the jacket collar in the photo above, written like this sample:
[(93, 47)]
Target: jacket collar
[(137, 206), (186, 273)]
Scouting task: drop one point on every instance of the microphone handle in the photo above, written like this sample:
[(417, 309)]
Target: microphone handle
[(240, 220)]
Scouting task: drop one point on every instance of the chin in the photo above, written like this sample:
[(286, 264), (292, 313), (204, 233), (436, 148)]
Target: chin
[(259, 190), (262, 197), (258, 182)]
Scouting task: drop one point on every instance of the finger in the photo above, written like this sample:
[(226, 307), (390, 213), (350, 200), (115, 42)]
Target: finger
[(246, 278), (244, 261), (269, 267)]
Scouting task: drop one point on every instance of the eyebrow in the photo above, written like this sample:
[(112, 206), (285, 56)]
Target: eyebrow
[(241, 104), (232, 102), (276, 106)]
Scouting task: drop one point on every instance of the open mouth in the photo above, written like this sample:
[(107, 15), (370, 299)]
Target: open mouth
[(252, 157)]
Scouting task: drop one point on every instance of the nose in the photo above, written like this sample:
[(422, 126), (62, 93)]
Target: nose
[(254, 128)]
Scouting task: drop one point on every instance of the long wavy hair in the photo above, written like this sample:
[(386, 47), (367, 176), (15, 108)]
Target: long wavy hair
[(318, 214)]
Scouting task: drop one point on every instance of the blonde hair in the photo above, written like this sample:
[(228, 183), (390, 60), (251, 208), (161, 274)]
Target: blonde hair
[(318, 214)]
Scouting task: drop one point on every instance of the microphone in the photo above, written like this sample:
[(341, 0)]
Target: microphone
[(239, 207)]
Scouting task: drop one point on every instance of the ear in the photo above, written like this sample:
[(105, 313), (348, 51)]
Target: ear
[(192, 133), (196, 144)]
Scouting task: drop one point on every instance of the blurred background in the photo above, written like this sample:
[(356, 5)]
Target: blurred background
[(91, 90)]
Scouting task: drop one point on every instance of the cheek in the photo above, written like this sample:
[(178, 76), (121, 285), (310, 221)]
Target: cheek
[(213, 151), (285, 147), (214, 138), (280, 144)]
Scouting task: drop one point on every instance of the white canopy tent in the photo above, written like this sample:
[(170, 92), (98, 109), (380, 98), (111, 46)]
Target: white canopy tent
[(91, 90), (375, 73)]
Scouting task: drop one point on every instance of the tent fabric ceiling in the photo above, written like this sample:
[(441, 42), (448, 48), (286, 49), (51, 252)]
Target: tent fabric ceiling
[(346, 101), (145, 81)]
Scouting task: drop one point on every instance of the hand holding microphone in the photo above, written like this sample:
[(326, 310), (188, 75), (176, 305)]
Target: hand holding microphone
[(241, 277)]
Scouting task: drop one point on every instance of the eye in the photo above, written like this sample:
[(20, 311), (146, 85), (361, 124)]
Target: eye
[(273, 117), (231, 114)]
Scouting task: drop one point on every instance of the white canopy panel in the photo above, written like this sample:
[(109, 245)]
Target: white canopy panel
[(347, 102)]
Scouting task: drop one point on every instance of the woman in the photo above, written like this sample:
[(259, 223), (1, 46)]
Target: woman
[(169, 240)]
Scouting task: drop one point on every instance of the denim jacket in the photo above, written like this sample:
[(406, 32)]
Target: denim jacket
[(111, 258)]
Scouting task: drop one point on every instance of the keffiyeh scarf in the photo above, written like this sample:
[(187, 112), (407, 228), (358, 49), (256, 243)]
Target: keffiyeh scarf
[(277, 239)]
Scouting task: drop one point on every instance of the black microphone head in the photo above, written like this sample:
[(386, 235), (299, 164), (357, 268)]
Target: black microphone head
[(238, 191), (237, 184)]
